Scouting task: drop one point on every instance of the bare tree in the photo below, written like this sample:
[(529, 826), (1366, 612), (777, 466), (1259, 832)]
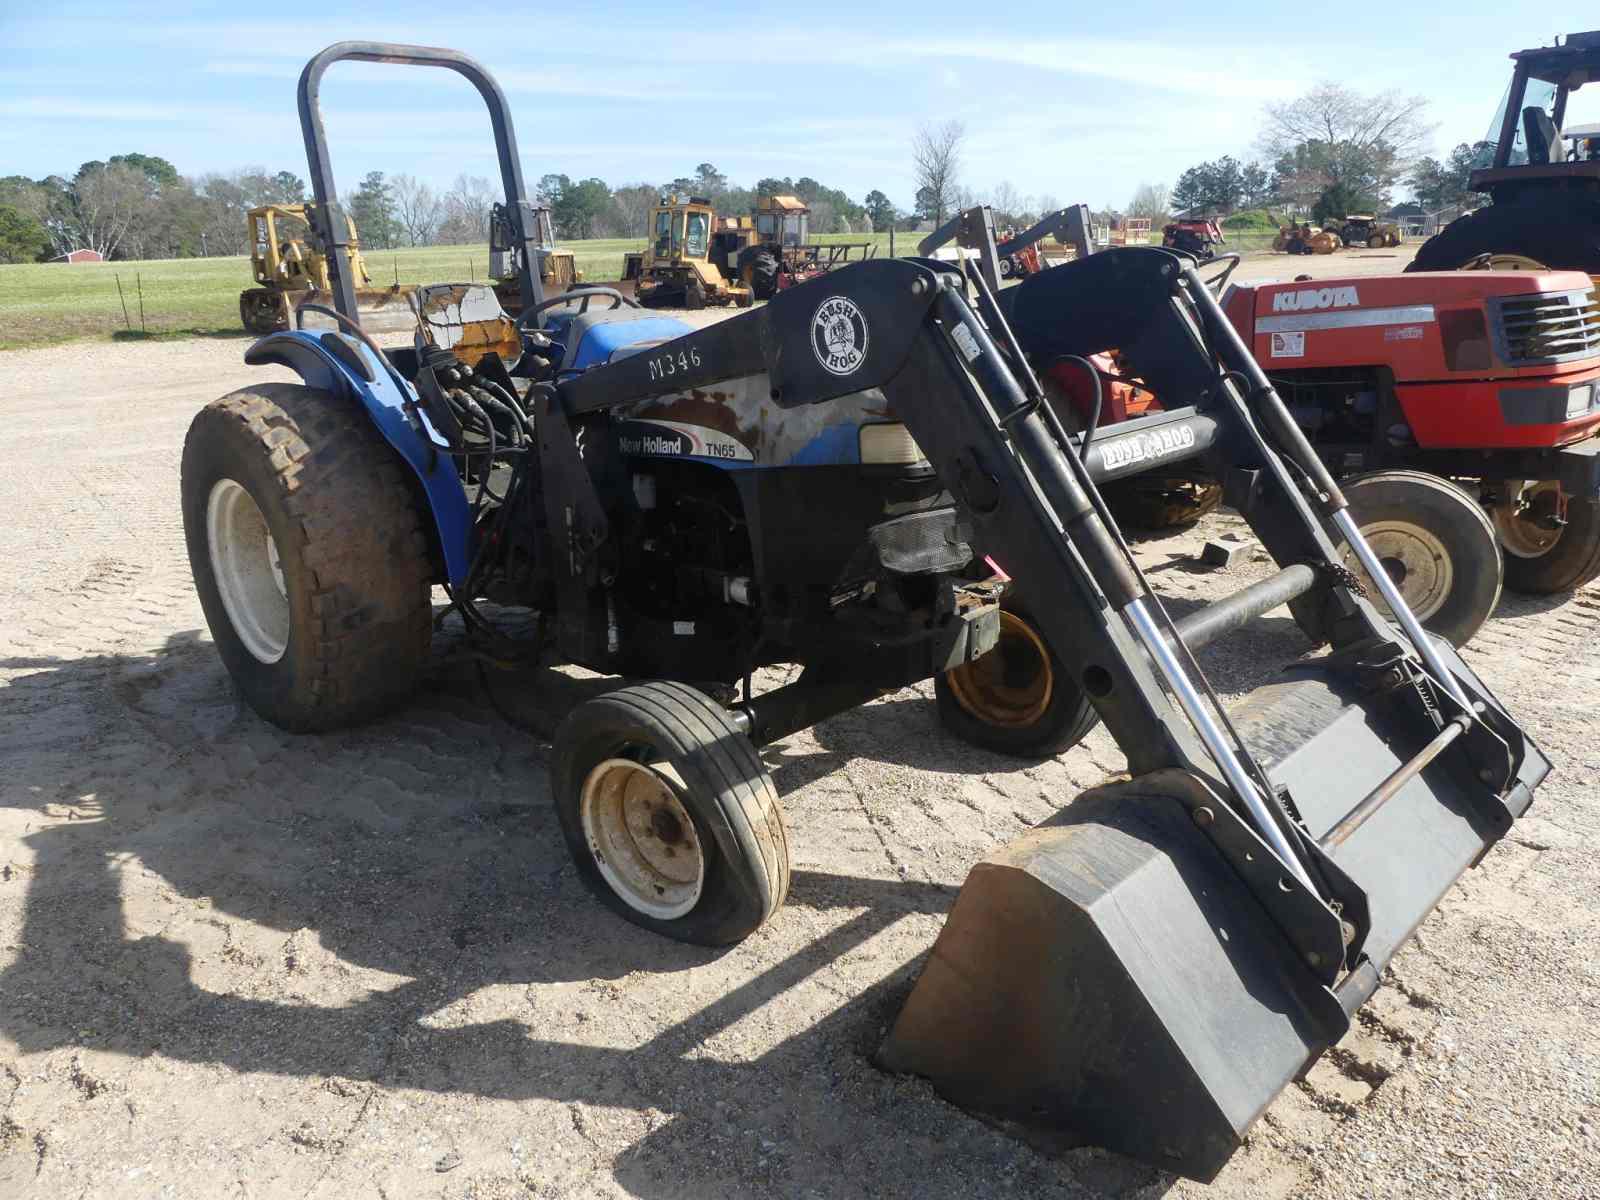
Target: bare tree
[(109, 201), (419, 208), (936, 153), (632, 203), (466, 210), (1363, 142), (1007, 202), (1149, 200)]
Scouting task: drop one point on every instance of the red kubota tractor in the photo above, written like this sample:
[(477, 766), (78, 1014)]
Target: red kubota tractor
[(1461, 410), (1197, 236)]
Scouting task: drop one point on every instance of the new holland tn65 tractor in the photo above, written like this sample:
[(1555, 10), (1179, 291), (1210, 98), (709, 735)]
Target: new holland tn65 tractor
[(802, 483)]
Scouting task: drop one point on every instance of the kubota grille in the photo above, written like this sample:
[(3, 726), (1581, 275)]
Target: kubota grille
[(1548, 327)]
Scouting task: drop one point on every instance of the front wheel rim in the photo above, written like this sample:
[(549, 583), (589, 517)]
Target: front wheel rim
[(248, 571), (1011, 686), (1416, 560), (1520, 536), (641, 837)]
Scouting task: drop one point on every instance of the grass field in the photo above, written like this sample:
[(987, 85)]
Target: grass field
[(51, 302)]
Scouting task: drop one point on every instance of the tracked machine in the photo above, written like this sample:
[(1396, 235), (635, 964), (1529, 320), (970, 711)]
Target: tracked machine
[(289, 250), (803, 483)]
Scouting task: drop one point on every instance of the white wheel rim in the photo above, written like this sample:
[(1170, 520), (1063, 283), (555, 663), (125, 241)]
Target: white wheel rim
[(1519, 536), (641, 837), (1418, 560), (249, 574)]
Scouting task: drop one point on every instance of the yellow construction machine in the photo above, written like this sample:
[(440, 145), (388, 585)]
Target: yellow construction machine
[(290, 266), (558, 269), (675, 269)]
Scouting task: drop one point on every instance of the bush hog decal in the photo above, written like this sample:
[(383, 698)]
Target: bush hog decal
[(839, 335), (675, 439), (1289, 345), (1116, 452)]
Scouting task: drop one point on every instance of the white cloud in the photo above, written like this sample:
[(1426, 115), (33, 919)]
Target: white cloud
[(51, 108)]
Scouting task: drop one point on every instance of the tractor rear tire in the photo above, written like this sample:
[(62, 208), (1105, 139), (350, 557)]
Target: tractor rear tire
[(1560, 237), (1438, 545), (669, 814), (309, 555), (1019, 699), (1541, 564), (764, 276)]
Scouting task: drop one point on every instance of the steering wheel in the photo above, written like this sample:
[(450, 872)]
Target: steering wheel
[(1216, 282), (581, 295)]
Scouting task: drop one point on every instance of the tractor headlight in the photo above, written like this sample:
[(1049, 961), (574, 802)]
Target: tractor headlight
[(1580, 400), (890, 443)]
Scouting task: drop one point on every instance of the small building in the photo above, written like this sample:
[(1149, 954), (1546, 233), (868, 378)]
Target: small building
[(78, 256)]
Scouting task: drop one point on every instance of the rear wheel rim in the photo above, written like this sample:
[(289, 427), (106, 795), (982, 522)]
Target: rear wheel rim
[(1416, 560), (1010, 686), (1521, 535), (247, 570), (641, 837)]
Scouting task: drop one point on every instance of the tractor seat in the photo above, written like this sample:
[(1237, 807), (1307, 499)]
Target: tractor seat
[(1544, 139), (466, 318)]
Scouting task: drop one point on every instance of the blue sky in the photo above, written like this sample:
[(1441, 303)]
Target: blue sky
[(1072, 101)]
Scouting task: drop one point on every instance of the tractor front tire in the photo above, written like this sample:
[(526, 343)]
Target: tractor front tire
[(308, 553), (263, 311), (669, 813), (1543, 560), (1437, 544), (1559, 237), (1019, 699)]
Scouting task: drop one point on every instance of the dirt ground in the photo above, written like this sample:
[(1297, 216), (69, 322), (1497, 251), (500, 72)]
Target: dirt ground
[(234, 962)]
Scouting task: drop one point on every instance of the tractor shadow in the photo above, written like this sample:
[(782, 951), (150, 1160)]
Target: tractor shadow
[(202, 886)]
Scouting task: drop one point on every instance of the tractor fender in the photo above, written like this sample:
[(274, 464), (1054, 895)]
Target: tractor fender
[(344, 366)]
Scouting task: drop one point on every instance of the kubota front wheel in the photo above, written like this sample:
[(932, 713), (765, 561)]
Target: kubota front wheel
[(1551, 541), (308, 554), (1019, 699), (1436, 543)]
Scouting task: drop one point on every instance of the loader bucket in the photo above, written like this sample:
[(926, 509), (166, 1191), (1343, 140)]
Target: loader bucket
[(1112, 978), (382, 310)]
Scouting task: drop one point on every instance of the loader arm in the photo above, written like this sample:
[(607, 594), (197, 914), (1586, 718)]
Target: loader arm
[(906, 328)]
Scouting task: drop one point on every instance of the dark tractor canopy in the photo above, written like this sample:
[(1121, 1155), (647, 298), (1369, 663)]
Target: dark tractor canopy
[(1528, 140)]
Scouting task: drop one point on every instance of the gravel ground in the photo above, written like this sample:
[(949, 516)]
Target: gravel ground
[(236, 962)]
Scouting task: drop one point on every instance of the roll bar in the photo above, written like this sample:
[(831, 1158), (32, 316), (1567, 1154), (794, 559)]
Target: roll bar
[(331, 225)]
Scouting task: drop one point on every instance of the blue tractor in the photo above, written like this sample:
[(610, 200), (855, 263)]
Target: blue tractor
[(802, 483)]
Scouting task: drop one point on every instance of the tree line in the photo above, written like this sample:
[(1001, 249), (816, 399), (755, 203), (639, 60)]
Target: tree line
[(1330, 153), (133, 206)]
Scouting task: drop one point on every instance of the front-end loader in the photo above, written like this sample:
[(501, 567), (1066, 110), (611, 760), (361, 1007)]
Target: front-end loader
[(1364, 229), (289, 259), (795, 484), (676, 267)]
